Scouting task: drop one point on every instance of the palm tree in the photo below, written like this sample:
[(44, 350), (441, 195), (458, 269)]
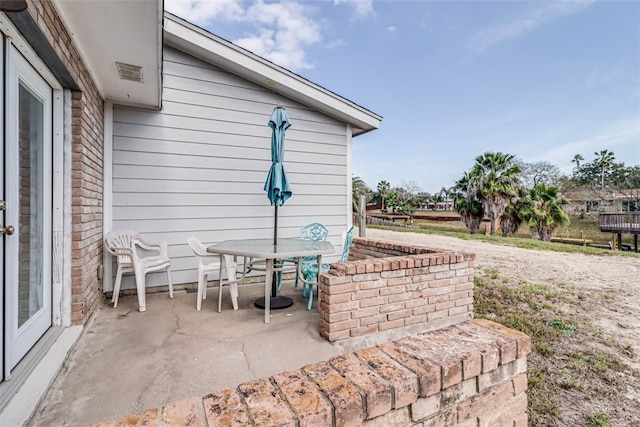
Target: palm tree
[(542, 209), (494, 178), (383, 189), (467, 205), (358, 187), (511, 219), (445, 193), (393, 199), (577, 159), (604, 160)]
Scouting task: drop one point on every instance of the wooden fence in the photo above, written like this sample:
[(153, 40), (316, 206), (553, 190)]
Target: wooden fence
[(370, 220)]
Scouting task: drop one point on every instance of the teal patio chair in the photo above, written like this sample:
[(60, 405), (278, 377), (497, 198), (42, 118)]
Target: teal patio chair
[(313, 231), (309, 268)]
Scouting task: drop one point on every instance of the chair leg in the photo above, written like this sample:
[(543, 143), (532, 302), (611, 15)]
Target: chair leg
[(170, 283), (232, 275), (279, 280), (310, 303), (201, 284), (308, 282), (233, 290), (220, 292), (204, 287), (141, 288), (116, 288)]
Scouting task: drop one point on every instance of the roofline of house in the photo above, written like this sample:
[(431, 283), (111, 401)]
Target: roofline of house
[(204, 45), (595, 194)]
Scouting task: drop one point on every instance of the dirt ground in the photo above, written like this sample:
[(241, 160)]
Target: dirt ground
[(591, 377)]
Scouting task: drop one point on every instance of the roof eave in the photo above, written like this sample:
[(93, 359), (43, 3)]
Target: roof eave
[(129, 33)]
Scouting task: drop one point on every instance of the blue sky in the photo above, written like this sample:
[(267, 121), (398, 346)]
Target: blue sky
[(541, 80)]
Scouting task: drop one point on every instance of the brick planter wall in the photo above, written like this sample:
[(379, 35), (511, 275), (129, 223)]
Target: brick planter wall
[(469, 375), (389, 288)]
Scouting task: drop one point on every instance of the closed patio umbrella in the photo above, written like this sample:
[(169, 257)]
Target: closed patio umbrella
[(277, 185), (278, 191)]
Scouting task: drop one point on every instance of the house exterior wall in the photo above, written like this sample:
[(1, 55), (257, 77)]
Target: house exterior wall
[(86, 165), (595, 201), (198, 166)]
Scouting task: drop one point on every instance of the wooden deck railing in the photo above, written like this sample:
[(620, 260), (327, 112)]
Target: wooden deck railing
[(623, 222)]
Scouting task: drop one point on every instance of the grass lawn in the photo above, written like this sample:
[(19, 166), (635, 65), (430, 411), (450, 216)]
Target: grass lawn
[(586, 227), (576, 373), (580, 370)]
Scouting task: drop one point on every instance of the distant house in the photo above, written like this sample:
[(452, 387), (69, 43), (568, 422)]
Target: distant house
[(129, 118), (594, 201)]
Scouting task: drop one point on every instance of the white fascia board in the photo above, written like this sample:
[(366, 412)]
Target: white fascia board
[(226, 55), (110, 31)]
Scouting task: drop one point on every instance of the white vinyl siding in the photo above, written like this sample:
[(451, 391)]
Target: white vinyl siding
[(198, 166)]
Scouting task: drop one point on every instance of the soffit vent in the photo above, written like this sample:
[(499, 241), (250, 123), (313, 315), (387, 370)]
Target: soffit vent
[(129, 72)]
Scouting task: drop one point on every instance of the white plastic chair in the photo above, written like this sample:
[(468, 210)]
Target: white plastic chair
[(204, 268), (124, 244)]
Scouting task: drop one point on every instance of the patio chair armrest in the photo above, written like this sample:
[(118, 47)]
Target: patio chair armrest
[(162, 247), (312, 266), (120, 251), (112, 251)]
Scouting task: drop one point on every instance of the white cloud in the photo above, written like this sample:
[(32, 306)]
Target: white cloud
[(335, 44), (392, 28), (280, 32), (284, 31), (363, 9), (203, 11), (533, 19), (602, 74)]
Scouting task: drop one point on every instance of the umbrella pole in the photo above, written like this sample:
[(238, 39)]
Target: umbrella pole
[(274, 282), (277, 302), (275, 226)]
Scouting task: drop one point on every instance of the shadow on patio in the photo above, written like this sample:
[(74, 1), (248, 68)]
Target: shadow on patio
[(127, 361)]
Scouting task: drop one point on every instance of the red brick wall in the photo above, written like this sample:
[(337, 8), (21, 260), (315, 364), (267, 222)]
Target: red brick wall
[(469, 375), (386, 286), (86, 164)]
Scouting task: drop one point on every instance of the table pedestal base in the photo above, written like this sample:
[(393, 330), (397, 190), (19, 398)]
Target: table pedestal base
[(276, 303)]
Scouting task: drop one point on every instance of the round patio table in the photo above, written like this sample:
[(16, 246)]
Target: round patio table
[(266, 249)]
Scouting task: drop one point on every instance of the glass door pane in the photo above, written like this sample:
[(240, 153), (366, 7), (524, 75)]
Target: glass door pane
[(31, 190)]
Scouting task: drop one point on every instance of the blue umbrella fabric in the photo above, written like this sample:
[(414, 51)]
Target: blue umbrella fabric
[(277, 185)]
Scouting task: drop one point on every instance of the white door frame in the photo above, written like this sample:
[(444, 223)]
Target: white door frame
[(22, 78), (61, 183)]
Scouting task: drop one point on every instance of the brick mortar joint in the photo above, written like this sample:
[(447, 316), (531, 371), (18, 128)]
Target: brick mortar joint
[(286, 401)]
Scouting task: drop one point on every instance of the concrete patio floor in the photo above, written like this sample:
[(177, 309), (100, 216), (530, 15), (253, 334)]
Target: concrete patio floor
[(127, 361)]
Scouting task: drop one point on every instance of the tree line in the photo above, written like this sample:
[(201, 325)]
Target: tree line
[(510, 192)]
